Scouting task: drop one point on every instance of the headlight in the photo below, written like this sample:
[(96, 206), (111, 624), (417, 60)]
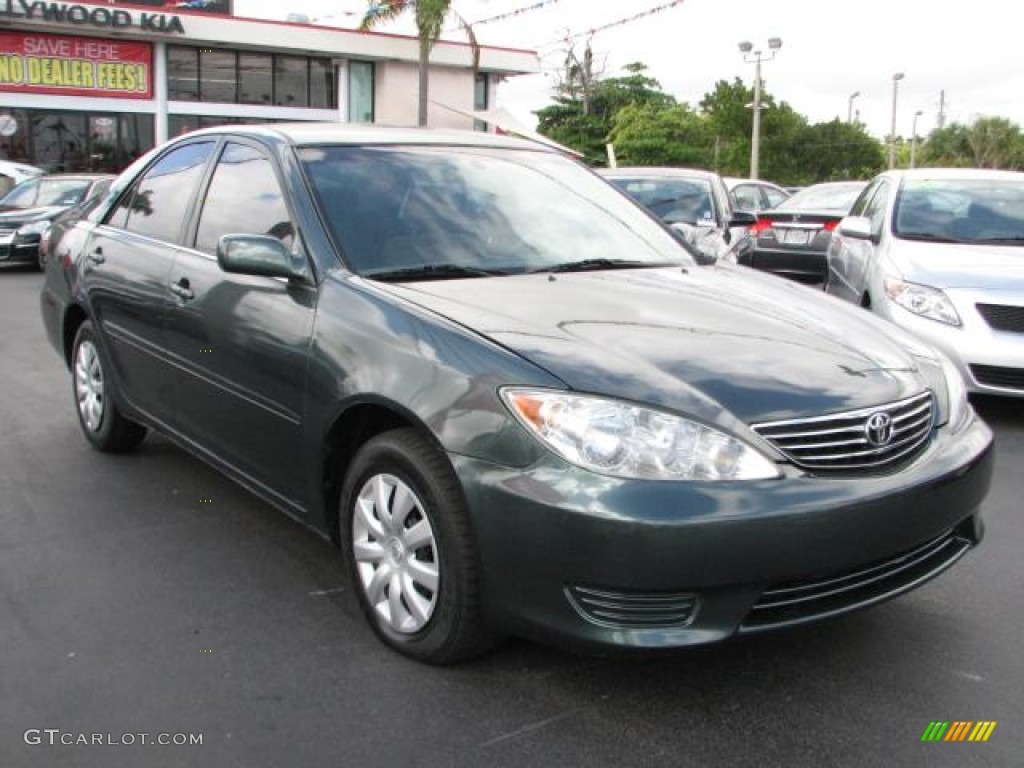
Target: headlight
[(34, 228), (922, 300), (956, 392), (624, 440)]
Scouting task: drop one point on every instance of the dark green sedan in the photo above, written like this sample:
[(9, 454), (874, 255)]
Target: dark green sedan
[(508, 393)]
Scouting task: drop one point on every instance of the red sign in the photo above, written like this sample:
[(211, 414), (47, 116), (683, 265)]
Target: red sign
[(75, 66)]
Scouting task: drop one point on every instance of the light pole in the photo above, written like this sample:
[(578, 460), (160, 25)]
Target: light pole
[(849, 107), (913, 139), (892, 132), (750, 55)]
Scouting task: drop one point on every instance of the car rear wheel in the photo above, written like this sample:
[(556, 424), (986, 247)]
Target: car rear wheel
[(410, 551), (102, 423)]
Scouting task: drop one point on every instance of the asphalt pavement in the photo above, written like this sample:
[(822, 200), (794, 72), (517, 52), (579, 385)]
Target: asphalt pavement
[(147, 594)]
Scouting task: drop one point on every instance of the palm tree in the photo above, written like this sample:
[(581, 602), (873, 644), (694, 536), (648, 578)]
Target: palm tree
[(430, 16)]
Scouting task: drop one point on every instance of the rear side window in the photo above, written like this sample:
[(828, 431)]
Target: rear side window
[(244, 198), (775, 197), (158, 203), (746, 197)]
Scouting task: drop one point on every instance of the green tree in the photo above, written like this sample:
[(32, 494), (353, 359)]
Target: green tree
[(648, 134), (834, 151), (988, 142), (430, 16), (585, 125)]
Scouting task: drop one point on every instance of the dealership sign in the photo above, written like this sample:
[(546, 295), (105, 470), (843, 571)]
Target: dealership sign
[(75, 66), (101, 17)]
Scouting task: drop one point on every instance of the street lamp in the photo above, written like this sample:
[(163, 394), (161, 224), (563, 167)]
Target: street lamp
[(913, 138), (849, 107), (750, 55), (892, 132)]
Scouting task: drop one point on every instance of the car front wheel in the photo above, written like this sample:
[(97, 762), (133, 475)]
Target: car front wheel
[(407, 541), (102, 422)]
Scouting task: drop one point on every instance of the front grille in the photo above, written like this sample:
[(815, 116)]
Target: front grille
[(1003, 317), (997, 376), (840, 442), (793, 603), (633, 610)]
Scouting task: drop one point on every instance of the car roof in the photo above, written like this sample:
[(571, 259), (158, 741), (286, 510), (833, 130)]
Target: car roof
[(735, 181), (19, 167), (309, 134), (77, 176), (952, 174), (652, 171)]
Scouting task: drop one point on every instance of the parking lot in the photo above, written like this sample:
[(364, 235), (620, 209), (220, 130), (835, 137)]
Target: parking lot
[(148, 594)]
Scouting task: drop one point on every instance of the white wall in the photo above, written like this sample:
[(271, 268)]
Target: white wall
[(397, 87)]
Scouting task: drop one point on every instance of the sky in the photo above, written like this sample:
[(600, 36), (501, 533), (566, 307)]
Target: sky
[(829, 50)]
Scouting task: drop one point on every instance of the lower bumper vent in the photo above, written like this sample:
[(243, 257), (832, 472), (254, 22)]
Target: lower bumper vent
[(794, 603), (633, 610)]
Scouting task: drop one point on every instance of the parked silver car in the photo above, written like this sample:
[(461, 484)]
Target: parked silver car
[(941, 253)]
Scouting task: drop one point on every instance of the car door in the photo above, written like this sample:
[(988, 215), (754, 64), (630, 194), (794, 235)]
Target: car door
[(126, 267), (848, 256), (241, 341)]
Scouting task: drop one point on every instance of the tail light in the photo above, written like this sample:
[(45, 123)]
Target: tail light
[(828, 226), (760, 226)]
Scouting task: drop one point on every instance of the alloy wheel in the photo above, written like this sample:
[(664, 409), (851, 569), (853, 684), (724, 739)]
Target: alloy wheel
[(89, 385)]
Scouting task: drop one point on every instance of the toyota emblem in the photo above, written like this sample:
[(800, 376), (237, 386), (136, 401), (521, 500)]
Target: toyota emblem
[(878, 429)]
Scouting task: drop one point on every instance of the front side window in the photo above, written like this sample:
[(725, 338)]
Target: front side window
[(746, 197), (244, 197), (395, 209), (156, 206), (360, 91), (877, 207)]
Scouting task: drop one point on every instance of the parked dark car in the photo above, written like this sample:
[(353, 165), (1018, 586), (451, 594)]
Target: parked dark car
[(696, 202), (792, 240), (27, 211), (508, 392)]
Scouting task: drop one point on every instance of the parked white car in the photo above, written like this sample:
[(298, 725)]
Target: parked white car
[(12, 174), (941, 253)]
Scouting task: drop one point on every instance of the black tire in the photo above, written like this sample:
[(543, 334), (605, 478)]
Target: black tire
[(454, 630), (109, 431)]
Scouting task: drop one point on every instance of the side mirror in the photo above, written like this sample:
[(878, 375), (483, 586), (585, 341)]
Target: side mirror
[(857, 227), (703, 249), (255, 255), (743, 219)]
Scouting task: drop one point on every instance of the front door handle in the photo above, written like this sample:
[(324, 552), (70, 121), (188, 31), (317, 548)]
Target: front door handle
[(183, 289), (97, 257)]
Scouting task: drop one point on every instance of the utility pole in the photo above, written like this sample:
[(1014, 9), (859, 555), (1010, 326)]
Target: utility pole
[(756, 57), (940, 121), (892, 131)]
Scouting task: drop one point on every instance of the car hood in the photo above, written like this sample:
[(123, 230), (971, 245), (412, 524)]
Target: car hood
[(955, 265), (700, 340), (11, 216)]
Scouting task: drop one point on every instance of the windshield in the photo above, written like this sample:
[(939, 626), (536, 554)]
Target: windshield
[(475, 211), (965, 210), (673, 200), (824, 197), (42, 192)]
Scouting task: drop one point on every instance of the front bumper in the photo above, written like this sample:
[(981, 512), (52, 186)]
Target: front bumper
[(976, 348), (562, 549)]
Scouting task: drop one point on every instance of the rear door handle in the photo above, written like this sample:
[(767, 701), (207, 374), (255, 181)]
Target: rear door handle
[(183, 289)]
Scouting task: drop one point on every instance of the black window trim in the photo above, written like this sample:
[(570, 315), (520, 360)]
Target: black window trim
[(133, 187)]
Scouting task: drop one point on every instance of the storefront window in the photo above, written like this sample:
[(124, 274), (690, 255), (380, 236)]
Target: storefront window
[(255, 78), (323, 94), (360, 91), (218, 76), (481, 99), (182, 73), (291, 81)]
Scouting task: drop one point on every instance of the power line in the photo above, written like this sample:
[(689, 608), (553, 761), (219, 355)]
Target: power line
[(618, 23)]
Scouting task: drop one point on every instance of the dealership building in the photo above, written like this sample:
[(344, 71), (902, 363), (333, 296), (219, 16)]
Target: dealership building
[(89, 87)]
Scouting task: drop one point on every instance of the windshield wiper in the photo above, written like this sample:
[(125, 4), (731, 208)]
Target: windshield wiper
[(930, 237), (432, 272), (1015, 239), (590, 265)]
